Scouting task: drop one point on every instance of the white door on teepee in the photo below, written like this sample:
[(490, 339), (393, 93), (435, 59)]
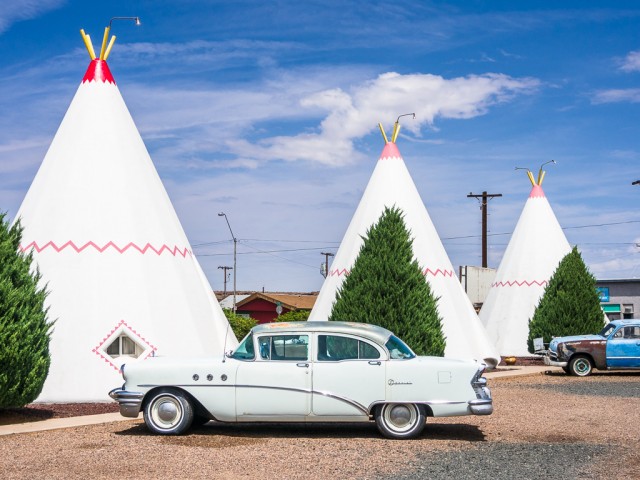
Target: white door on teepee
[(122, 279), (391, 185), (534, 252)]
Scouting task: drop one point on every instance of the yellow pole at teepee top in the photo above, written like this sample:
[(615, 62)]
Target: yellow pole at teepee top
[(384, 135), (108, 51), (87, 43), (530, 175), (104, 42), (396, 131)]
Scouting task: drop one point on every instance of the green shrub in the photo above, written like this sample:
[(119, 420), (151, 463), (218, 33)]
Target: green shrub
[(24, 330), (239, 324), (294, 316), (386, 287), (570, 304)]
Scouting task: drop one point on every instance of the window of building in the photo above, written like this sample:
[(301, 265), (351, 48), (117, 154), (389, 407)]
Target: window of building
[(124, 346), (627, 311)]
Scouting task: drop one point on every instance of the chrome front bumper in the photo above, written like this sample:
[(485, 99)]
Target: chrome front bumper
[(130, 402), (554, 363), (481, 406)]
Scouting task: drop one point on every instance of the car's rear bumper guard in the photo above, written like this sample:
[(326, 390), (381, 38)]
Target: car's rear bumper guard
[(481, 406), (130, 402)]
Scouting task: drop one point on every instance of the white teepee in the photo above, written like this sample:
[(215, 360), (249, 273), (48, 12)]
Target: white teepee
[(123, 281), (534, 252), (391, 185)]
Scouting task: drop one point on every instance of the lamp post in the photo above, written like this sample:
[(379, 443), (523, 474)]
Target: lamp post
[(135, 19), (235, 245)]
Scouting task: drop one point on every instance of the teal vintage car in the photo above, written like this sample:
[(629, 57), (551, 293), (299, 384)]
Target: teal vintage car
[(616, 347)]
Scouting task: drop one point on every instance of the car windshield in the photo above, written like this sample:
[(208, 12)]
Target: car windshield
[(245, 350), (398, 349), (606, 331)]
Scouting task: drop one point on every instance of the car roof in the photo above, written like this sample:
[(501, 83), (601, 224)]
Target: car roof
[(625, 321), (366, 330)]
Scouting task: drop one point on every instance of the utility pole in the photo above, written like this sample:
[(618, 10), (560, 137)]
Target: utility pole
[(235, 247), (483, 206), (326, 263), (225, 276)]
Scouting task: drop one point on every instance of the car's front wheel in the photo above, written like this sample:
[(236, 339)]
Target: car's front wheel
[(168, 412), (580, 366), (400, 420)]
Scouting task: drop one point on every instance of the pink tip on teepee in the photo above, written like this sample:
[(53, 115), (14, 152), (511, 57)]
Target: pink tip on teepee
[(536, 192), (390, 151), (98, 71)]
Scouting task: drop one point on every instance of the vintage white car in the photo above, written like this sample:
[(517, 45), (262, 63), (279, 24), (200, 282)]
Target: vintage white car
[(306, 372)]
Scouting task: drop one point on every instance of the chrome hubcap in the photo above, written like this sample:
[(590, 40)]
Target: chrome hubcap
[(166, 412), (400, 417)]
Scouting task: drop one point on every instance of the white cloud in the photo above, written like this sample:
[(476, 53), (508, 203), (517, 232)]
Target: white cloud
[(353, 115), (617, 95), (631, 62), (19, 10)]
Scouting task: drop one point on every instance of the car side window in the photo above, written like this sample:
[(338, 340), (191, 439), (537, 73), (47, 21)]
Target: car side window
[(245, 350), (284, 347), (632, 332), (334, 348), (618, 334)]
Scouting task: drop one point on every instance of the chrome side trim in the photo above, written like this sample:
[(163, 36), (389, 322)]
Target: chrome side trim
[(130, 402)]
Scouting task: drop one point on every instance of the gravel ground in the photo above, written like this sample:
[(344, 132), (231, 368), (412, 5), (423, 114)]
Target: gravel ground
[(543, 426)]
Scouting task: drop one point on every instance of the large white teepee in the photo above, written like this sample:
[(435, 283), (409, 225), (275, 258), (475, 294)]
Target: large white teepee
[(391, 185), (123, 281), (534, 252)]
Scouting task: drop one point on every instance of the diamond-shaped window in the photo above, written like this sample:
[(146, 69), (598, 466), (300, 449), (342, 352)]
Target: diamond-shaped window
[(121, 343), (124, 346)]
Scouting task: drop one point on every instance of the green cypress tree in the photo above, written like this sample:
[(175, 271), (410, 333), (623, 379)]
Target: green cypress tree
[(570, 304), (386, 287), (24, 329)]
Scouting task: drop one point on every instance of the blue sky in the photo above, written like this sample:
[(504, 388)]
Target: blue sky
[(268, 112)]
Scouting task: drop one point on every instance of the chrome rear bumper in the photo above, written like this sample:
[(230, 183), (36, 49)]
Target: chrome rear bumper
[(481, 406), (130, 402)]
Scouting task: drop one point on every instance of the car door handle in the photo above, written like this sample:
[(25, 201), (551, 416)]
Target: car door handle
[(375, 363), (302, 365)]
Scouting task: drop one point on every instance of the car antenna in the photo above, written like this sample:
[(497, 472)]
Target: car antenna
[(224, 348)]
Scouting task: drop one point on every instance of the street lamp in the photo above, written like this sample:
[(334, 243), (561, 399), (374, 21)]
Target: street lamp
[(235, 245), (135, 19)]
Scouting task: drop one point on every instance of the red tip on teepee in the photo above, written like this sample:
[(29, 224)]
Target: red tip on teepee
[(99, 71), (390, 151), (536, 191)]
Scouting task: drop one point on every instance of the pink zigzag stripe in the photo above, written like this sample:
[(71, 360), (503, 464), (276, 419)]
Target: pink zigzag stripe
[(515, 283), (175, 251), (444, 273), (427, 271), (98, 351)]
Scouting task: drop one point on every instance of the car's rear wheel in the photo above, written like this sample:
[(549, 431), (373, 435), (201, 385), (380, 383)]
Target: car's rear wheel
[(580, 366), (400, 420), (168, 412)]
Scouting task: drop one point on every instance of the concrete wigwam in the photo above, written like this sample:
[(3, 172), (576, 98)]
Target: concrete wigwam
[(533, 254), (123, 281), (391, 185)]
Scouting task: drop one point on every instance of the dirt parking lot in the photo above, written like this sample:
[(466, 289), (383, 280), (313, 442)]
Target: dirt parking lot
[(544, 426)]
